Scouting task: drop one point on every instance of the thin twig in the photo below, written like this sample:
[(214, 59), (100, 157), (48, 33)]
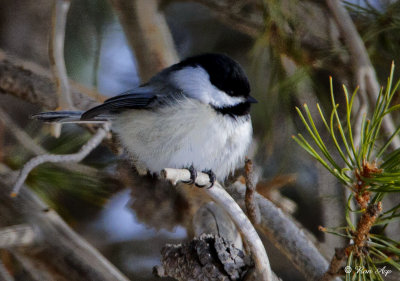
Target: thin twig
[(364, 225), (252, 209), (17, 235), (74, 157), (336, 265), (221, 197), (56, 53), (56, 58), (363, 69), (360, 238), (29, 144)]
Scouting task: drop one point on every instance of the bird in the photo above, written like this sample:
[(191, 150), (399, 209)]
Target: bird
[(194, 114)]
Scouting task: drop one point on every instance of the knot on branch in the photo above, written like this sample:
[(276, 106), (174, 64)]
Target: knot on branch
[(205, 258)]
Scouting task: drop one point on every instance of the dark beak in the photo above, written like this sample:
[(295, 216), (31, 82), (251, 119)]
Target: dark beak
[(250, 99)]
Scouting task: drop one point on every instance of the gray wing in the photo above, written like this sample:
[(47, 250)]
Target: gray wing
[(140, 98)]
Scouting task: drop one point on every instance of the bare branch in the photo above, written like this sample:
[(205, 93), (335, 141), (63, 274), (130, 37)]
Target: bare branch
[(148, 35), (34, 84), (29, 144), (363, 69), (291, 240), (221, 197), (56, 53), (251, 205), (335, 265), (75, 157), (61, 251), (365, 224), (17, 235)]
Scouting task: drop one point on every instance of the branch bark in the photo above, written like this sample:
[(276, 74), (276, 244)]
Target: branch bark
[(207, 257), (34, 84), (62, 251), (286, 235), (56, 53), (251, 206), (222, 198), (335, 265)]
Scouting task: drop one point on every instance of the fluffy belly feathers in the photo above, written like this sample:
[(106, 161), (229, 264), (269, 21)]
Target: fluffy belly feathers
[(193, 134)]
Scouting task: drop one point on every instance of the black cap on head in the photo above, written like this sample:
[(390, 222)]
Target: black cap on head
[(225, 73)]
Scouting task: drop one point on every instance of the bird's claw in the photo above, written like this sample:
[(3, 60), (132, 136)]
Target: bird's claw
[(193, 175), (212, 177)]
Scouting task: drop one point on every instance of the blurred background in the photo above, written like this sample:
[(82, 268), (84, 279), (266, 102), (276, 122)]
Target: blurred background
[(288, 49)]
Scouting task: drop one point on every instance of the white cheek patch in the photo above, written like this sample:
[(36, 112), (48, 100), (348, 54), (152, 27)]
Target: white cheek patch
[(195, 83)]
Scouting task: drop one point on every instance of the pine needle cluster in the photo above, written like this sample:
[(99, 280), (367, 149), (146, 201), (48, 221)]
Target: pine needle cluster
[(370, 169)]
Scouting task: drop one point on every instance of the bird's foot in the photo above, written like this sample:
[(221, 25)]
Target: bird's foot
[(212, 177), (193, 175)]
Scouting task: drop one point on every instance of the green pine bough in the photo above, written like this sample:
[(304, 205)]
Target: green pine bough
[(369, 169)]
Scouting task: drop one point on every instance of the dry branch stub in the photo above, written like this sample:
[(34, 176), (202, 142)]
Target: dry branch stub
[(222, 198), (205, 258)]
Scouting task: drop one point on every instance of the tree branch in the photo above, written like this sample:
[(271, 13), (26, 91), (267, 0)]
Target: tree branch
[(363, 69), (29, 144), (75, 157), (286, 235), (221, 197), (56, 53), (251, 205), (210, 218), (207, 257), (148, 35), (335, 265), (34, 84), (61, 252)]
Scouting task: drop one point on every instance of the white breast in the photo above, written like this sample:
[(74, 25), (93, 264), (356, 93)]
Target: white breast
[(191, 133)]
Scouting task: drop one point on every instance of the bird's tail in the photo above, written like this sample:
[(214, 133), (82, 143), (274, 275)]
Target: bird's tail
[(66, 117)]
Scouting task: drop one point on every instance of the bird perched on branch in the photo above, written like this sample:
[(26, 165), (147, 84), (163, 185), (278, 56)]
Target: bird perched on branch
[(194, 114)]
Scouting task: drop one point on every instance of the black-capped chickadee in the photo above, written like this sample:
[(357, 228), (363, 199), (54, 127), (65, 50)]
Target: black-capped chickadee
[(193, 114)]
